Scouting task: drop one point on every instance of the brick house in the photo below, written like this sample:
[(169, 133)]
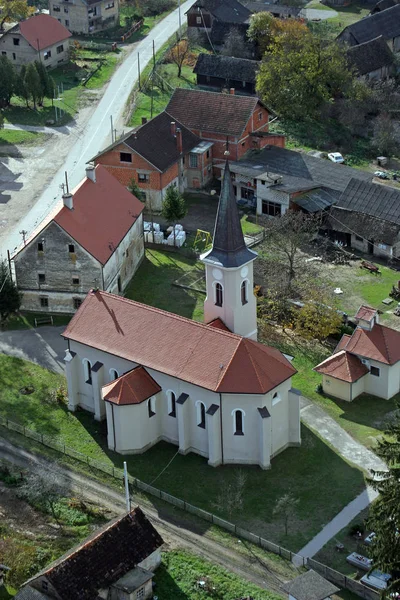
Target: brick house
[(116, 561), (241, 122), (92, 239), (85, 16), (159, 153), (41, 38)]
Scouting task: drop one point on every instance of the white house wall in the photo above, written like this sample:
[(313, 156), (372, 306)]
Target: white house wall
[(265, 192), (124, 265)]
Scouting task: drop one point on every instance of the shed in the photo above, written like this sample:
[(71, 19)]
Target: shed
[(309, 586)]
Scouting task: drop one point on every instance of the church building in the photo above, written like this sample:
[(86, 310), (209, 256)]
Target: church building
[(209, 388)]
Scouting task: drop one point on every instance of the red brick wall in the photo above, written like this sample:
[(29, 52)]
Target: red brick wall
[(124, 171)]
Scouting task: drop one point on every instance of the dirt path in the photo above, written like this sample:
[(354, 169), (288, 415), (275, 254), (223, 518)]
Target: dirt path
[(175, 532)]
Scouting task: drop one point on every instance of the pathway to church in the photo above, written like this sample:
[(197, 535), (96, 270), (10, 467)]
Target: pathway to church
[(46, 347)]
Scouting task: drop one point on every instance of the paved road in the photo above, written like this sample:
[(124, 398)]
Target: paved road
[(43, 346), (96, 134)]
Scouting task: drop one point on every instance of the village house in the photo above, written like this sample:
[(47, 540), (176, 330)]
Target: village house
[(160, 153), (367, 217), (115, 562), (310, 586), (239, 122), (209, 388), (385, 23), (93, 238), (372, 60), (276, 179), (226, 72), (368, 361), (203, 14), (85, 16), (40, 38)]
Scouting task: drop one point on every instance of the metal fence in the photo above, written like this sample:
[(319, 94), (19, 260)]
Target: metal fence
[(299, 560)]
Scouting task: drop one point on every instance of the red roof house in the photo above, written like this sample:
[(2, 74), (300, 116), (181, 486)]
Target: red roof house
[(92, 237), (40, 37)]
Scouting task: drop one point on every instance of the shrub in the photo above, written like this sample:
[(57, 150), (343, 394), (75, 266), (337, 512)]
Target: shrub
[(356, 528)]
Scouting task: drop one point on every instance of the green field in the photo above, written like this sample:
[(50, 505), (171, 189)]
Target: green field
[(16, 137)]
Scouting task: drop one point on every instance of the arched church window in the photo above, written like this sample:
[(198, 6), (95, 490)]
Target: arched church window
[(275, 398), (244, 291), (201, 414), (171, 403), (87, 370), (238, 421), (219, 293), (113, 374)]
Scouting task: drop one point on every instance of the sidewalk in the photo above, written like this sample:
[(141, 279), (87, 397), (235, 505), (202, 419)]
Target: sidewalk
[(352, 451)]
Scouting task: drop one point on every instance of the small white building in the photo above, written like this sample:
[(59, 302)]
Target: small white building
[(209, 388), (368, 361), (92, 238)]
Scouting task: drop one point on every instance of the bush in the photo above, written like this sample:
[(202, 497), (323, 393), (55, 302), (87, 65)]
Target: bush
[(356, 529), (156, 7), (320, 390), (9, 478), (20, 558)]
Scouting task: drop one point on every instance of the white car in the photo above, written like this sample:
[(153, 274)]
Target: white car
[(336, 157)]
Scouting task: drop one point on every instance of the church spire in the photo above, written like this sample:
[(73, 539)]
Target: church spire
[(229, 249)]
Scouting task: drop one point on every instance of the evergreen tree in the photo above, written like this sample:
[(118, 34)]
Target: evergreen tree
[(10, 297), (7, 81), (46, 82), (20, 89), (32, 82), (174, 207), (384, 517)]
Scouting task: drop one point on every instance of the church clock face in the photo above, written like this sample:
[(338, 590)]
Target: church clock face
[(217, 274), (244, 271)]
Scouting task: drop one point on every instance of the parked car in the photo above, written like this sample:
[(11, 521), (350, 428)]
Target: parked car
[(370, 538), (376, 580), (381, 175), (336, 157)]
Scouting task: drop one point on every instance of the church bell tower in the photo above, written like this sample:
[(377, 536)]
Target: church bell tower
[(229, 269)]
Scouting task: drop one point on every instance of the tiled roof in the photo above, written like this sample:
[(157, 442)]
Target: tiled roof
[(385, 23), (303, 166), (218, 324), (366, 313), (226, 67), (342, 343), (343, 366), (310, 586), (227, 11), (381, 344), (229, 248), (42, 31), (131, 388), (179, 347), (211, 111), (156, 143), (102, 215), (370, 56), (375, 199), (220, 30), (348, 221), (103, 558)]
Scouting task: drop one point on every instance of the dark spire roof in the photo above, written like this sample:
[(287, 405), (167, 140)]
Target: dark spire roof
[(229, 248)]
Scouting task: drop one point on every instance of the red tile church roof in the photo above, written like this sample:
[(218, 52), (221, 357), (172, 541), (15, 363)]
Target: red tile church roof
[(381, 344), (131, 388), (343, 366), (366, 313), (194, 352)]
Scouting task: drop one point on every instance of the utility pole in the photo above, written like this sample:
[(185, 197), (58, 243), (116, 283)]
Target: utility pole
[(154, 56), (112, 130), (152, 101), (138, 68), (66, 182), (127, 495), (180, 22), (9, 263)]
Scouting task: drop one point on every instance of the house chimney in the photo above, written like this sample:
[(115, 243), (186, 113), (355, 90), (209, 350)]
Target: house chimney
[(232, 91), (173, 128), (144, 120), (68, 200), (91, 172), (179, 140)]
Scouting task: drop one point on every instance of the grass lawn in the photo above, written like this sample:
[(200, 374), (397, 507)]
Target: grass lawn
[(13, 137), (161, 93), (178, 575), (103, 75), (346, 15)]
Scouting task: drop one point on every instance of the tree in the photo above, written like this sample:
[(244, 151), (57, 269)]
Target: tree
[(384, 516), (20, 86), (46, 82), (285, 509), (32, 83), (43, 487), (134, 188), (231, 496), (10, 297), (7, 81), (14, 10), (301, 73), (174, 207), (260, 31), (316, 320), (285, 236), (235, 45), (384, 139), (179, 53)]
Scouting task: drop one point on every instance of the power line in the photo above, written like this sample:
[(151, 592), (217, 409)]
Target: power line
[(161, 472)]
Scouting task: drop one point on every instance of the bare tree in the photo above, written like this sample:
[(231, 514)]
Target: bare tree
[(231, 496), (179, 53), (43, 487), (235, 45), (285, 509)]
